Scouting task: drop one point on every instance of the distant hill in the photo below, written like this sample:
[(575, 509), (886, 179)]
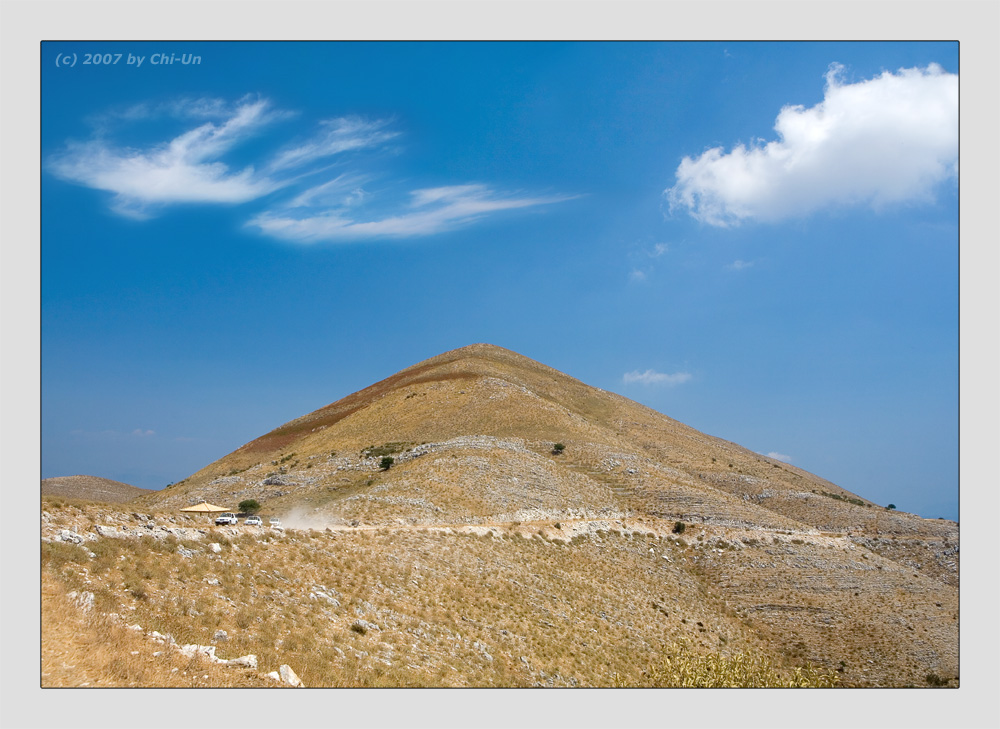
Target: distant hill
[(92, 488)]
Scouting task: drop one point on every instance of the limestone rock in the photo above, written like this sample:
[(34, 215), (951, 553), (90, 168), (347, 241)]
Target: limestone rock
[(247, 661), (288, 675)]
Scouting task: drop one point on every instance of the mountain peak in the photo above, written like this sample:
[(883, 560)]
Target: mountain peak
[(472, 434)]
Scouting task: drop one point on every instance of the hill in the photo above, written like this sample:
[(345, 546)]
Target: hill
[(472, 433), (91, 488), (486, 555)]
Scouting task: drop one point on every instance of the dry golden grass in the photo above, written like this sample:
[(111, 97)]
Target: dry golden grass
[(679, 667), (88, 648), (523, 606)]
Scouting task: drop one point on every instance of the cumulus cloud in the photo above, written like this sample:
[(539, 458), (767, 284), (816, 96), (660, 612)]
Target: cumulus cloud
[(431, 210), (651, 377), (890, 139), (739, 265), (779, 457), (185, 169)]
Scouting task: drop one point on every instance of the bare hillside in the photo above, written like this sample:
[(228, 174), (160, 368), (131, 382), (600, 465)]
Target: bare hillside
[(91, 488), (480, 519), (472, 433)]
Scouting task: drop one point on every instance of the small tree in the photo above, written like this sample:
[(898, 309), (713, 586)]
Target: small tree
[(250, 506), (557, 449), (891, 507), (679, 527), (386, 462)]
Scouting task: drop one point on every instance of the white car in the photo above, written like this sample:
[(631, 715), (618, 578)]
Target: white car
[(275, 524), (227, 518), (254, 521)]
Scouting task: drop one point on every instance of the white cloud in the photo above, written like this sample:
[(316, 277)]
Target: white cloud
[(651, 377), (890, 139), (637, 275), (430, 211), (779, 457), (112, 435), (739, 265), (342, 191), (337, 135), (190, 168), (185, 169), (186, 108)]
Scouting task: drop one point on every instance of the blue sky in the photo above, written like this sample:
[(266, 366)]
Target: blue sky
[(757, 239)]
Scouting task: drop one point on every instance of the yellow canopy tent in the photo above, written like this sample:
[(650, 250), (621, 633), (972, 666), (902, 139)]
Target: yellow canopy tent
[(204, 508)]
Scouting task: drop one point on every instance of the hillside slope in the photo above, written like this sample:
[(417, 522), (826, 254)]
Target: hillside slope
[(91, 488), (485, 556), (472, 432)]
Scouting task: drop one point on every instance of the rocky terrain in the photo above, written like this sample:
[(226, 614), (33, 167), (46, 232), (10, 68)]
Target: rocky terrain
[(91, 488), (480, 519)]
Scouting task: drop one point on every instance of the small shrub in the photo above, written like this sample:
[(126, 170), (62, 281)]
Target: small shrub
[(558, 448), (386, 463), (137, 590), (679, 527), (385, 449), (249, 506)]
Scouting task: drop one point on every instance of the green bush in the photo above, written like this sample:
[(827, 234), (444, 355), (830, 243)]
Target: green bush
[(386, 463), (558, 448), (249, 506), (679, 527), (385, 449)]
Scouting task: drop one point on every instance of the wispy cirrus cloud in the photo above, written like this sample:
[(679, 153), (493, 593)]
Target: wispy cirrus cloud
[(336, 136), (343, 191), (652, 377), (113, 435), (183, 108), (429, 211), (890, 139), (183, 170), (192, 167)]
